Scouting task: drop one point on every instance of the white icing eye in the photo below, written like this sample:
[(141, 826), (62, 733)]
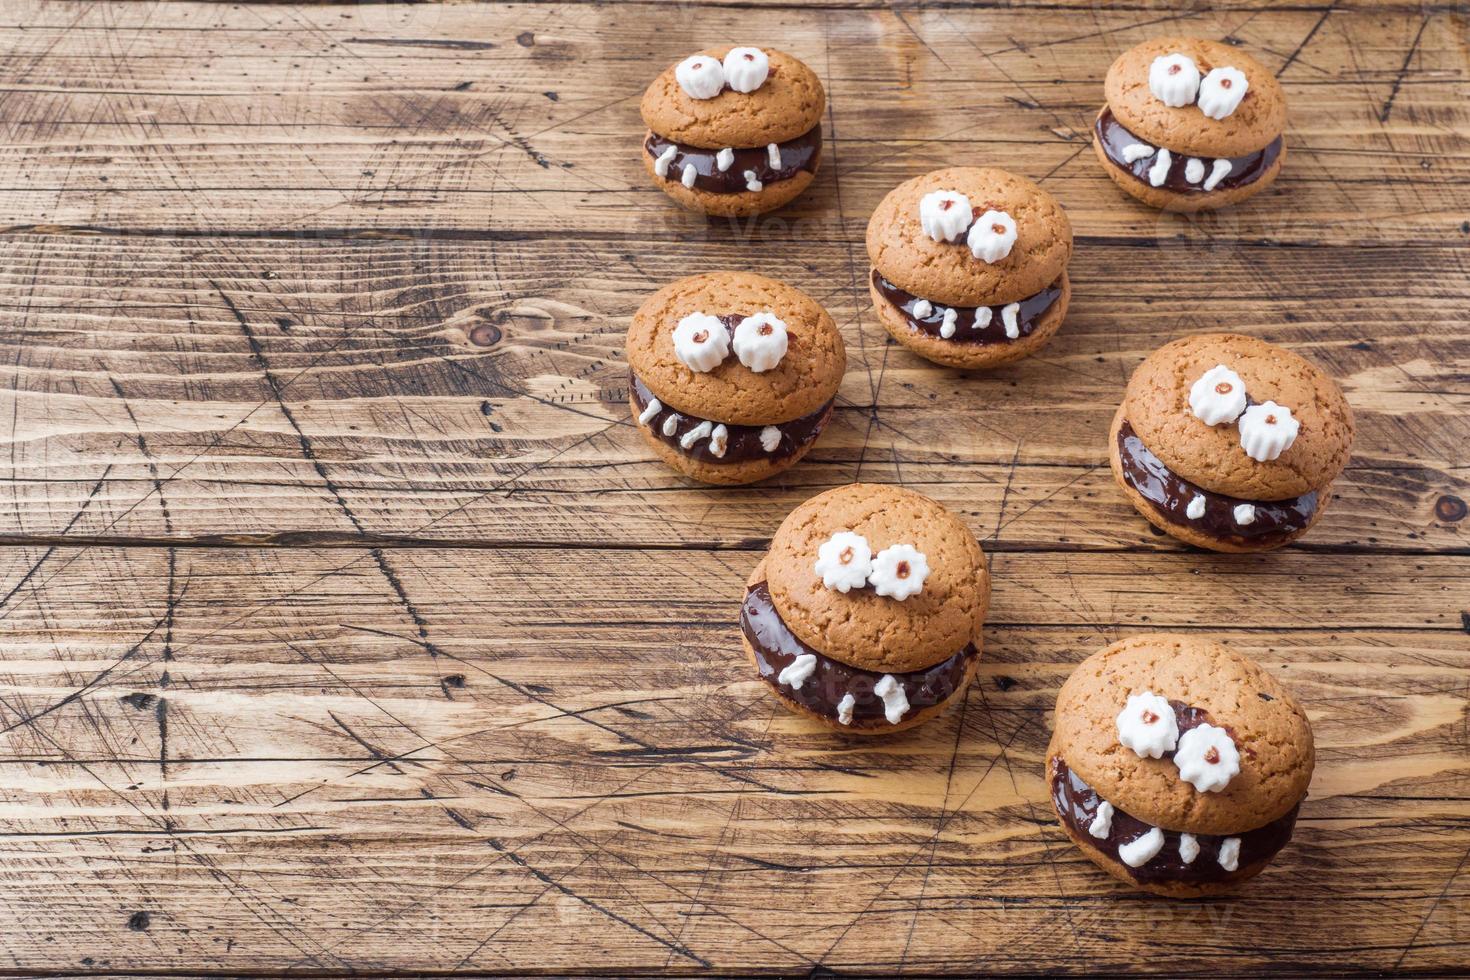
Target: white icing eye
[(895, 701), (1218, 396), (746, 69), (1207, 758), (1136, 853), (991, 236), (1173, 79), (760, 341), (899, 572), (944, 215), (1147, 725), (844, 561), (701, 342), (1220, 92), (700, 76), (1267, 430)]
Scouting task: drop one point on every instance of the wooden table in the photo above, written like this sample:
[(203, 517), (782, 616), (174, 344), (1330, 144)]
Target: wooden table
[(350, 627)]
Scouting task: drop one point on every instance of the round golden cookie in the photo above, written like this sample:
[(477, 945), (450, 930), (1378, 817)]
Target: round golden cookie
[(1268, 726), (1156, 404), (971, 356), (1186, 201), (789, 104), (861, 628), (806, 379), (1259, 119), (948, 274), (912, 719)]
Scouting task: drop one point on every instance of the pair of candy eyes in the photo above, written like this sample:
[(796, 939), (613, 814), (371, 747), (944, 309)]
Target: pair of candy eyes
[(1212, 754)]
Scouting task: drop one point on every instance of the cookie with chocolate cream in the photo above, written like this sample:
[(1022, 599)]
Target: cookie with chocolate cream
[(865, 615), (1178, 765), (732, 376), (970, 266), (1190, 124), (1229, 443), (734, 131)]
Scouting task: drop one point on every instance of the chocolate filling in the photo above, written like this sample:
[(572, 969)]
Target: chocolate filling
[(743, 442), (1033, 308), (776, 647), (796, 155), (1171, 494), (1077, 804), (1113, 138)]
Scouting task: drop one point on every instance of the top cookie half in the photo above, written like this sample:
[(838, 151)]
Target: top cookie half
[(788, 104)]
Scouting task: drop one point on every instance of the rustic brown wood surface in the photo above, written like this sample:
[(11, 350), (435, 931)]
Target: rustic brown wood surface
[(350, 628)]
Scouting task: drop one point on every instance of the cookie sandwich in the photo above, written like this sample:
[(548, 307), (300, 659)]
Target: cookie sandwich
[(1178, 765), (1190, 124), (970, 266), (865, 614), (734, 131), (732, 376), (1229, 443)]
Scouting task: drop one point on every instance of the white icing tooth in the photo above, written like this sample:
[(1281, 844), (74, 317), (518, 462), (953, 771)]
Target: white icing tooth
[(844, 561), (1137, 853), (770, 438), (1159, 172), (992, 236), (982, 317), (1217, 396), (794, 674), (773, 156), (895, 701), (1267, 430), (1220, 92), (746, 69), (1008, 319), (751, 184), (671, 425), (946, 329), (944, 215), (844, 709), (1196, 508), (1173, 79), (700, 76), (1102, 823), (1194, 170), (899, 572), (661, 164), (701, 342), (1188, 848), (700, 431), (725, 158), (1134, 152), (690, 174), (718, 440), (1219, 170), (1147, 725), (1244, 514), (1207, 758), (650, 410), (922, 308), (760, 341), (1229, 856)]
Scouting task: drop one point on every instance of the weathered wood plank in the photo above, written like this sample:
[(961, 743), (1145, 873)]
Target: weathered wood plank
[(191, 388), (285, 759), (464, 119)]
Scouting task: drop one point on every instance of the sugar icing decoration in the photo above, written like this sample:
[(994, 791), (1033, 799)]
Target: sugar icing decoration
[(1174, 80), (1207, 758), (1217, 396), (703, 77), (760, 341), (895, 701), (701, 342), (944, 215), (746, 69), (1267, 430), (1229, 856), (1141, 850), (795, 674), (992, 236), (846, 561), (1147, 725)]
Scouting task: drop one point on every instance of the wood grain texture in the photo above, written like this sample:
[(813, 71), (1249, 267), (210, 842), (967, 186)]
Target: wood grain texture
[(349, 628)]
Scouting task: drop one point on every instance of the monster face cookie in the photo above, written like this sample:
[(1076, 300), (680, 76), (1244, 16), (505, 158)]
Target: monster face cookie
[(1190, 124), (1178, 765), (970, 266), (732, 376), (1229, 443), (865, 614), (734, 131)]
